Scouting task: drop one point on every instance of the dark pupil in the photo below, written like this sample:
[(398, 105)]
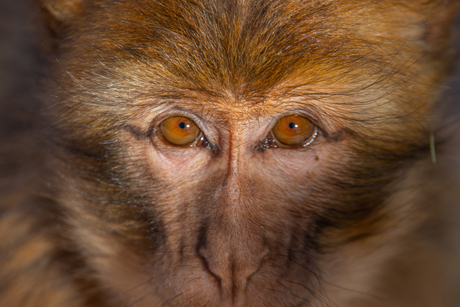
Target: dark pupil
[(291, 125), (182, 125)]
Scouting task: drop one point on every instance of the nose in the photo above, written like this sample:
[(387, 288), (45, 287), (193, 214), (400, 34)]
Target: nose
[(233, 262)]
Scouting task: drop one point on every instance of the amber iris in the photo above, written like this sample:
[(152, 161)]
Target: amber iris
[(293, 130), (179, 130)]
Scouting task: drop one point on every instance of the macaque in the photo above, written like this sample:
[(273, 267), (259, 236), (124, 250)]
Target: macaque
[(235, 153)]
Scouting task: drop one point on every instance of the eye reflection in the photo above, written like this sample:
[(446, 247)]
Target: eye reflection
[(294, 130), (179, 130)]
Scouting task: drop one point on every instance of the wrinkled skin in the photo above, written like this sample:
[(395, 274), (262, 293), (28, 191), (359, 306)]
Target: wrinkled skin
[(230, 219)]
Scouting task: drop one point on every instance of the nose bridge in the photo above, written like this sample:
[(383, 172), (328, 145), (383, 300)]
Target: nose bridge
[(233, 247), (236, 149), (235, 202)]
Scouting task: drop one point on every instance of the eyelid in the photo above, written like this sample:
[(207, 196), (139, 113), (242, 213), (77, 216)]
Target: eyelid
[(202, 140), (269, 141), (279, 144), (176, 113), (298, 112), (172, 131)]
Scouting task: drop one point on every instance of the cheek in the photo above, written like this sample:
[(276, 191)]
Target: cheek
[(185, 180), (294, 169)]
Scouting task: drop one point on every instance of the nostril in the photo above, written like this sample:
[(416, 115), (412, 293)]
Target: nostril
[(263, 259), (232, 271), (229, 262), (202, 254), (248, 267)]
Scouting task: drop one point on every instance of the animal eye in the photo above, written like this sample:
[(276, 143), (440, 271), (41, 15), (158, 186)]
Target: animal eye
[(294, 130), (179, 130)]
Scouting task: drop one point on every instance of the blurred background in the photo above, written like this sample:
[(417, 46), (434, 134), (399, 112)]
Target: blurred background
[(21, 68)]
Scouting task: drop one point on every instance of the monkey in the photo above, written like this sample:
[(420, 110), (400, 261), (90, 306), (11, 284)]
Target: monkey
[(233, 153)]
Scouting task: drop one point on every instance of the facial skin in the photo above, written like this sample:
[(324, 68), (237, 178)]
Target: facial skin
[(240, 209)]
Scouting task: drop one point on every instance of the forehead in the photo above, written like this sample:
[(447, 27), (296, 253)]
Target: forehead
[(234, 55), (246, 48)]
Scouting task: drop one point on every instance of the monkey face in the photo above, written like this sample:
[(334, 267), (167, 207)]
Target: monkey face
[(234, 207), (221, 155)]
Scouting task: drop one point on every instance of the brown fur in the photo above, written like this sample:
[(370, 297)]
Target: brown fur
[(119, 218)]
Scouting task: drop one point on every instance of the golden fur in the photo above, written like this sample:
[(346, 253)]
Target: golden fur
[(107, 214)]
